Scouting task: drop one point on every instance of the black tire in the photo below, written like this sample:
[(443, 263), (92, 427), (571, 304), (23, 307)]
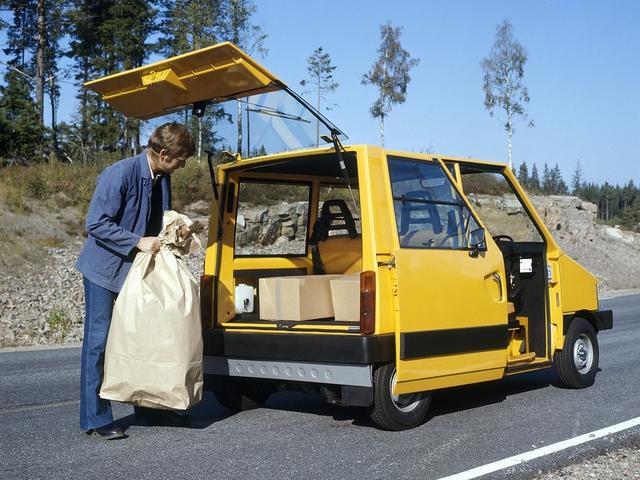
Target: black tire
[(577, 362), (399, 413)]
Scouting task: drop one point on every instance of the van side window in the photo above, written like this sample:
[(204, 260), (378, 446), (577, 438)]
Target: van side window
[(429, 211), (272, 219), (501, 210)]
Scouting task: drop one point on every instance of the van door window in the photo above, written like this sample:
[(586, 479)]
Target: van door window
[(429, 211), (495, 201), (272, 219)]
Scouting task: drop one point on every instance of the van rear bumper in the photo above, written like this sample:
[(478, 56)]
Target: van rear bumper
[(299, 347), (329, 373)]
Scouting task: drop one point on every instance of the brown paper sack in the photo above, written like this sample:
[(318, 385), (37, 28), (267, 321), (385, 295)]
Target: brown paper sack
[(153, 356)]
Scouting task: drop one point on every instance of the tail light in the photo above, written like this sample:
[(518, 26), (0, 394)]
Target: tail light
[(206, 300), (367, 303)]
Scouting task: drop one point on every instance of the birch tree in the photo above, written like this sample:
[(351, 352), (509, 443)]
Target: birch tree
[(390, 73), (503, 84)]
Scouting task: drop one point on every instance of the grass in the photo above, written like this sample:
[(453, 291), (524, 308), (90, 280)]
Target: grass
[(56, 185), (59, 322)]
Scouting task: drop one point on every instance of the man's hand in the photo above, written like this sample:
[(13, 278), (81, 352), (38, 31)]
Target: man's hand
[(149, 245)]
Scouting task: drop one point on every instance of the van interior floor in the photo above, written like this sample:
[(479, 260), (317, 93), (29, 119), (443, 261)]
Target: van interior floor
[(255, 318)]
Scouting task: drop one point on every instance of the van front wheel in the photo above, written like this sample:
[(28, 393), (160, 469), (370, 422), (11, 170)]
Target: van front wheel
[(396, 412), (577, 362)]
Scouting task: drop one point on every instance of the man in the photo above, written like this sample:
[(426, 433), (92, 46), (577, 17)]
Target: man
[(125, 216)]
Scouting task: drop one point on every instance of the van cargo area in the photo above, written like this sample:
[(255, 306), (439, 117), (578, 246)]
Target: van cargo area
[(296, 223)]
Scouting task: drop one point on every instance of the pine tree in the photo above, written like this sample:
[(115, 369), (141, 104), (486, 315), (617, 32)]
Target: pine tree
[(560, 187), (107, 37), (22, 132), (546, 180), (503, 80), (188, 25), (577, 180), (124, 36), (390, 73), (523, 175), (53, 53), (20, 129), (320, 71), (534, 180), (85, 18), (239, 30)]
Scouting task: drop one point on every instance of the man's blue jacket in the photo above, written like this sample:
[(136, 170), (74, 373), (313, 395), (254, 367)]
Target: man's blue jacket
[(117, 219)]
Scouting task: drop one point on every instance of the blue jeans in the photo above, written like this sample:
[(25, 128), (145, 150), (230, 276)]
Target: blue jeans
[(94, 412)]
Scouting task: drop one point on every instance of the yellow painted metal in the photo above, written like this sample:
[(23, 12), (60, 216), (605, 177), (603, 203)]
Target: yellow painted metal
[(441, 289), (579, 287), (417, 290), (423, 385), (218, 73)]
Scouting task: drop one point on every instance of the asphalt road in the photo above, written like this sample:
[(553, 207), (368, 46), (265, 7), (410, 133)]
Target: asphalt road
[(298, 436)]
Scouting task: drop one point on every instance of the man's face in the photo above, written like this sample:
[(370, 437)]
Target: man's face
[(169, 164)]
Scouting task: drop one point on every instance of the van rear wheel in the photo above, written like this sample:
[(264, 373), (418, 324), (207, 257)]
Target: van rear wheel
[(396, 412), (577, 362)]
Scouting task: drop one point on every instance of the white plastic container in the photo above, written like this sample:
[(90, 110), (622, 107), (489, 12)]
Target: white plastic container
[(244, 298)]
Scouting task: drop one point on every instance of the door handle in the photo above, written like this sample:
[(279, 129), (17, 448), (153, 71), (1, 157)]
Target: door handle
[(496, 276)]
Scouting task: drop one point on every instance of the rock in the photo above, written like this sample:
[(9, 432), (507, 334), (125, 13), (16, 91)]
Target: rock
[(270, 234)]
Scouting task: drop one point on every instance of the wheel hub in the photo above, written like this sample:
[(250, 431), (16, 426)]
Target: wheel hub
[(406, 402), (583, 353)]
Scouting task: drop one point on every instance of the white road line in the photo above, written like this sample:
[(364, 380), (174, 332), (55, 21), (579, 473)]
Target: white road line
[(541, 452)]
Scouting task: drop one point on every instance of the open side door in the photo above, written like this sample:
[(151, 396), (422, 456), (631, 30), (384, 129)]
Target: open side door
[(451, 311)]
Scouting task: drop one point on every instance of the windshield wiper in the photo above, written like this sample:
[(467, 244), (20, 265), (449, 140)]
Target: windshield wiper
[(277, 113)]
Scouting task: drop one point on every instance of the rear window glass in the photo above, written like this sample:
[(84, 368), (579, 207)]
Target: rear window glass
[(272, 219)]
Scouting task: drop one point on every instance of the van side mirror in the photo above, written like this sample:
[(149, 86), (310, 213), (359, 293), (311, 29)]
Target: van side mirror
[(477, 242)]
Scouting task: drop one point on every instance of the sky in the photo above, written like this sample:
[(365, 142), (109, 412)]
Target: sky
[(582, 73)]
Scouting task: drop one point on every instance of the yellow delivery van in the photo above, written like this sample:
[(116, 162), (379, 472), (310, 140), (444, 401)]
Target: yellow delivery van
[(372, 276)]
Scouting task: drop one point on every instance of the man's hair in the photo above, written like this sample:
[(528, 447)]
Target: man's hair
[(174, 138)]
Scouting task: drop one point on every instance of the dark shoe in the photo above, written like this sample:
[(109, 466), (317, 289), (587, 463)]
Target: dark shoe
[(108, 432), (161, 418)]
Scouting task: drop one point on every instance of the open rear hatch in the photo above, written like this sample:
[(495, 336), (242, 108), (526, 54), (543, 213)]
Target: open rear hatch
[(211, 75)]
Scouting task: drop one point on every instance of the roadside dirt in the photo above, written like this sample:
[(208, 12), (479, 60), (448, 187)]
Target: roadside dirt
[(41, 297)]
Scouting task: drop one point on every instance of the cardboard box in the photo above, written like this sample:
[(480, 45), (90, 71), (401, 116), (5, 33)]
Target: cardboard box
[(345, 296), (296, 298)]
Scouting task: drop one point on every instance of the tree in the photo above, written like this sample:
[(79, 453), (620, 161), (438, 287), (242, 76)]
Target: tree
[(523, 175), (124, 39), (20, 129), (188, 25), (249, 37), (503, 81), (546, 183), (577, 180), (560, 187), (320, 71), (534, 180), (390, 73)]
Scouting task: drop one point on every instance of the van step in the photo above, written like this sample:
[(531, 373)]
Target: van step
[(524, 358)]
